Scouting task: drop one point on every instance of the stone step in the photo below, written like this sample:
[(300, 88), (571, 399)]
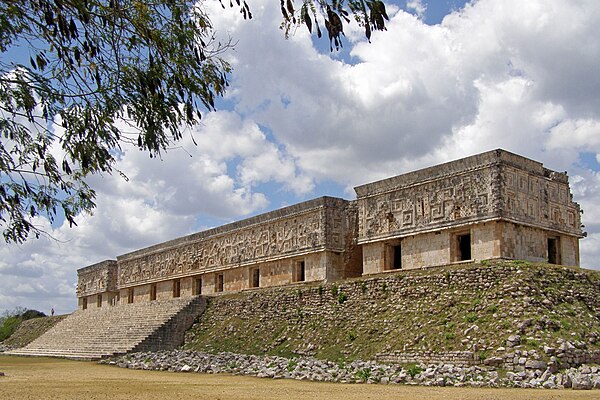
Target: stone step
[(99, 333)]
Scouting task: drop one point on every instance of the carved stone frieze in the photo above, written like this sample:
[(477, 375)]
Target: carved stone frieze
[(320, 227), (97, 278), (540, 200), (427, 205), (496, 184)]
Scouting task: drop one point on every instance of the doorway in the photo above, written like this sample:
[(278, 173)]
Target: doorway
[(553, 250), (176, 288), (299, 272), (219, 283), (397, 257), (197, 287), (255, 277), (464, 247)]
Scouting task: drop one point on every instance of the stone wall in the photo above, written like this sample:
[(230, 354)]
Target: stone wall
[(517, 360), (463, 358), (100, 278), (488, 206), (464, 315), (509, 206), (523, 242), (491, 185), (415, 202), (539, 198), (432, 249), (313, 226)]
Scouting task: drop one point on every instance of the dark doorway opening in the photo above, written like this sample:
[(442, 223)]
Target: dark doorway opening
[(219, 283), (255, 277), (197, 286), (553, 251), (299, 272), (84, 303), (130, 295), (397, 257), (153, 292), (99, 301), (176, 288), (464, 247)]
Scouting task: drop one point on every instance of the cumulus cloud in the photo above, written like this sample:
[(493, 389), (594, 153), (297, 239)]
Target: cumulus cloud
[(511, 74), (495, 74), (417, 6), (159, 200)]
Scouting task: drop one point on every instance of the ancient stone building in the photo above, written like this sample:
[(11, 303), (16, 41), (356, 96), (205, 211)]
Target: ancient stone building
[(492, 205)]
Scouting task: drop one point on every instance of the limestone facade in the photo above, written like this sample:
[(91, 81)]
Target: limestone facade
[(491, 205), (97, 284)]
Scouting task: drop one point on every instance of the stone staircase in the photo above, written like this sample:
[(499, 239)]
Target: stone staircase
[(104, 332)]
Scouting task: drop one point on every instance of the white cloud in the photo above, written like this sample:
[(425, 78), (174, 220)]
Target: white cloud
[(161, 200), (520, 76), (417, 7), (582, 134)]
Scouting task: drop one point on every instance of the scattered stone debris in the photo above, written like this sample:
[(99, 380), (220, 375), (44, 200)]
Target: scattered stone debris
[(584, 377)]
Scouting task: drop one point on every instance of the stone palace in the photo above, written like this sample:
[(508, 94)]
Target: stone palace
[(494, 205)]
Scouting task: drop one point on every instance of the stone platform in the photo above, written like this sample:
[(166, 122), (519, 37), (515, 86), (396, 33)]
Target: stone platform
[(103, 332)]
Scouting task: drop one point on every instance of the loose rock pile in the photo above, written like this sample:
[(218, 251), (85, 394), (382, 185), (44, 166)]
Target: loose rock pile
[(306, 368)]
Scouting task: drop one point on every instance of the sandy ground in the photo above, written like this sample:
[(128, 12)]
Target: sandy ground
[(55, 379)]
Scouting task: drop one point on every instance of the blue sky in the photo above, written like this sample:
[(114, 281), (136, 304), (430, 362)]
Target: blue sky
[(448, 79)]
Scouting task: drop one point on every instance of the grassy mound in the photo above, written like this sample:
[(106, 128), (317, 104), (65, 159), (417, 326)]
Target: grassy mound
[(29, 330), (474, 307)]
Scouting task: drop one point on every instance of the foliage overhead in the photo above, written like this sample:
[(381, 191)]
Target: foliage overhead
[(370, 15), (104, 73)]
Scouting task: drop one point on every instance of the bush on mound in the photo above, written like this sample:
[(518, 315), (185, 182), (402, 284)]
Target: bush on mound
[(12, 319)]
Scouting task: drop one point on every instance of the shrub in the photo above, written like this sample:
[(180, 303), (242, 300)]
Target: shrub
[(334, 290), (233, 365), (471, 317), (413, 370), (8, 326), (363, 374), (342, 297), (530, 342), (363, 287), (292, 364), (11, 320), (521, 263)]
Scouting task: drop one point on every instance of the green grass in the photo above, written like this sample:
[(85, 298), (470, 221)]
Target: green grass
[(408, 310)]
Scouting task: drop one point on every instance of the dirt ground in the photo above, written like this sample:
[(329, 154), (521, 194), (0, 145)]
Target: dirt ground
[(56, 379)]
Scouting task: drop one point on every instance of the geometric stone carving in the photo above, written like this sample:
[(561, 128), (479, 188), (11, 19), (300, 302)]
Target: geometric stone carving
[(258, 239), (97, 278)]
